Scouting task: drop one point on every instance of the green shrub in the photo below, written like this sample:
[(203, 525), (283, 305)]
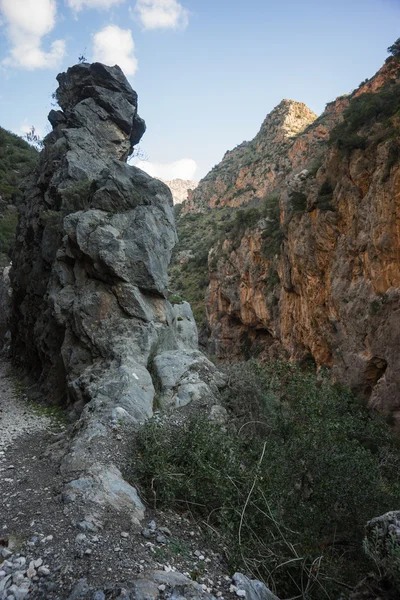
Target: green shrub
[(394, 49), (273, 278), (393, 159), (299, 201), (325, 196), (272, 235), (17, 158), (77, 197), (243, 219), (8, 224), (384, 551), (176, 299), (315, 166), (363, 111), (288, 484)]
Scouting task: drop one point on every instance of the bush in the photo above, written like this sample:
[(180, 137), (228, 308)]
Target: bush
[(299, 201), (393, 159), (325, 196), (78, 196), (288, 484), (363, 111), (243, 219), (272, 235), (384, 551), (394, 49), (8, 224), (17, 157)]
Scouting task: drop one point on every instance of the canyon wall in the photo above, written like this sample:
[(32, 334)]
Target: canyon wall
[(316, 278)]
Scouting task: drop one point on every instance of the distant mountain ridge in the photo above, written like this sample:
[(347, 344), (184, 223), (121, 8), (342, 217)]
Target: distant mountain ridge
[(180, 188)]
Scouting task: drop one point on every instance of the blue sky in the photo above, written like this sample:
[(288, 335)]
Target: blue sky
[(206, 71)]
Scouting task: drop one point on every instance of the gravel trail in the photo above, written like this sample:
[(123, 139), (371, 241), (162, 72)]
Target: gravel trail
[(16, 417), (47, 552)]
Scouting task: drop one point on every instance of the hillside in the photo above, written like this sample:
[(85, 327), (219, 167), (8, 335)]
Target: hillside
[(17, 158)]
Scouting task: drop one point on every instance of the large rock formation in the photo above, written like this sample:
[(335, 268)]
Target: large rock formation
[(91, 319), (317, 277)]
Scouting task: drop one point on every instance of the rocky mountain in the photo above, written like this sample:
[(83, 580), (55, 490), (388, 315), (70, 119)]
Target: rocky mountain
[(90, 316), (254, 169), (311, 269), (180, 188)]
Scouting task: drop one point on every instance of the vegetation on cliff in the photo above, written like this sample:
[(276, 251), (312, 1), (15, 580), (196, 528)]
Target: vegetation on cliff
[(288, 482), (188, 271), (199, 232), (363, 114), (17, 157)]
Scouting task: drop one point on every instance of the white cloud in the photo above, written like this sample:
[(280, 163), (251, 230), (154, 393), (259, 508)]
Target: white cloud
[(77, 5), (161, 14), (180, 169), (27, 22), (115, 46)]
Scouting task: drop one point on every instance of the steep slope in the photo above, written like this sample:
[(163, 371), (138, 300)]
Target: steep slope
[(316, 276), (290, 139), (254, 169), (17, 158)]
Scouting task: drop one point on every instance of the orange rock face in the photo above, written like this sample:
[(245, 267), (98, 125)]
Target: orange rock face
[(331, 293)]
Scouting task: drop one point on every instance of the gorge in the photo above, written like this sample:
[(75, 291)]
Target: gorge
[(308, 269), (133, 465)]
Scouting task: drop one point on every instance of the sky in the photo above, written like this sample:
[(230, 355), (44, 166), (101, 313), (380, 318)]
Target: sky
[(207, 71)]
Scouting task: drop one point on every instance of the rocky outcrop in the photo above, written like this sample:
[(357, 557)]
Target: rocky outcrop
[(317, 278), (290, 139), (91, 319), (382, 546), (180, 189), (254, 169)]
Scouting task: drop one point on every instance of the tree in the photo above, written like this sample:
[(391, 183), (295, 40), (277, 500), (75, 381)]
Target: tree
[(394, 49), (139, 154), (34, 139)]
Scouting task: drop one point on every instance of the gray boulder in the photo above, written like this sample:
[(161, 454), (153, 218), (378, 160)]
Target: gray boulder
[(255, 590)]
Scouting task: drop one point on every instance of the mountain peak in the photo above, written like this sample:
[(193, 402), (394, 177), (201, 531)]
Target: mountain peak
[(286, 120)]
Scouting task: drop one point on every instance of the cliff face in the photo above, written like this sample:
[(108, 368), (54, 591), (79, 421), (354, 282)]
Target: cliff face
[(254, 169), (90, 316), (317, 277)]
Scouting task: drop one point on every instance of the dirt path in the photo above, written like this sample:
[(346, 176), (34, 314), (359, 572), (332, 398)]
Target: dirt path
[(16, 419), (47, 555)]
